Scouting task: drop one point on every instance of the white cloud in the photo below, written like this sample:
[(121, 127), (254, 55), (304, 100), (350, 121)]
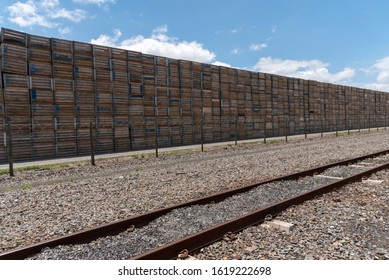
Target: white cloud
[(42, 13), (76, 15), (104, 4), (257, 47), (381, 70), (159, 43), (64, 31), (49, 4), (219, 63), (160, 29), (26, 14), (106, 40), (235, 51), (96, 2), (305, 69)]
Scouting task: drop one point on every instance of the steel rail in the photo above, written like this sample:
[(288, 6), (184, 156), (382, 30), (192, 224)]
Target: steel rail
[(116, 227), (215, 233)]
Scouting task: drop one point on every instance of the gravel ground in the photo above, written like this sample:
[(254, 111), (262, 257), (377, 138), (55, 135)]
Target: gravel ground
[(343, 171), (41, 204), (350, 223)]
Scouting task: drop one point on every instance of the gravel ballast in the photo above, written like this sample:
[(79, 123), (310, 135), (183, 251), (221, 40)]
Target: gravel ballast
[(38, 205), (182, 222)]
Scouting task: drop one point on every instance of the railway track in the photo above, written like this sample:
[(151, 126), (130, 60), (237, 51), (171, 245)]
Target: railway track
[(168, 249)]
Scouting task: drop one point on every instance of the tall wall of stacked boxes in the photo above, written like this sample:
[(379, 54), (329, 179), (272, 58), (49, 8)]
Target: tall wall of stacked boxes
[(52, 89)]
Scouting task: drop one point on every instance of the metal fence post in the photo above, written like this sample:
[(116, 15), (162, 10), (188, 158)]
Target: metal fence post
[(202, 134), (10, 153), (264, 132), (92, 144), (236, 131), (369, 123), (156, 140)]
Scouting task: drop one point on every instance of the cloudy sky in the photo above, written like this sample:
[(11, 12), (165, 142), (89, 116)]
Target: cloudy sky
[(337, 41)]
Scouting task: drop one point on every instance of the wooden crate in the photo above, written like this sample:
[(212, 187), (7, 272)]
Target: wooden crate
[(14, 37), (14, 81), (14, 97), (62, 70), (134, 67), (43, 137), (42, 109), (61, 45), (102, 69), (42, 55), (22, 147), (38, 42), (39, 68), (122, 138), (119, 76), (83, 73), (13, 59), (84, 49), (104, 140), (83, 59)]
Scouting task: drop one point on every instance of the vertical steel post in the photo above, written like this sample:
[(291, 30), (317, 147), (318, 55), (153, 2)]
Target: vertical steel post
[(202, 134), (10, 153), (236, 131), (130, 136), (376, 122), (92, 144), (369, 122), (264, 132), (156, 140)]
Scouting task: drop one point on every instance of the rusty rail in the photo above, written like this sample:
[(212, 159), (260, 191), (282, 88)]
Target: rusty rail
[(213, 234)]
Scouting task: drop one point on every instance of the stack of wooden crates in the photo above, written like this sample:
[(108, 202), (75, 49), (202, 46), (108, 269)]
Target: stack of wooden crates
[(52, 90)]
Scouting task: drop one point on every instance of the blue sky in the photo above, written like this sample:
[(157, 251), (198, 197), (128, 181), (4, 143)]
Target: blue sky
[(339, 41)]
